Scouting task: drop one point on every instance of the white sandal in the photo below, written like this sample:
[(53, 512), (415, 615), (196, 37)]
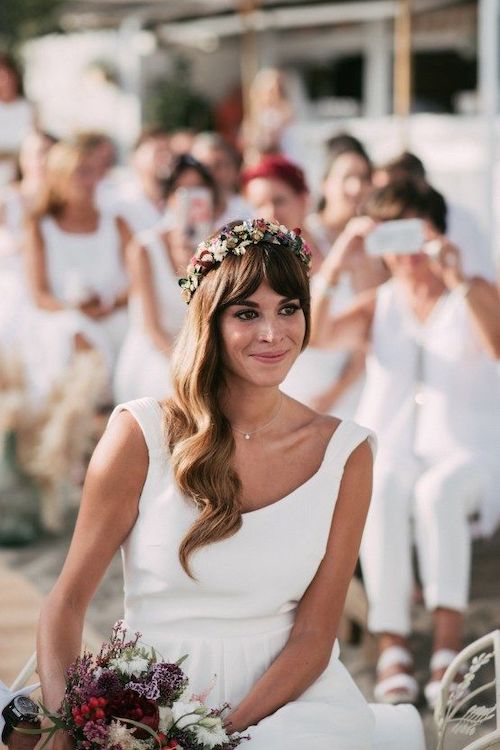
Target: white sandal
[(440, 659), (400, 687)]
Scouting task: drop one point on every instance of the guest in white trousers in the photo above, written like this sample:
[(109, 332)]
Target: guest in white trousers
[(433, 397)]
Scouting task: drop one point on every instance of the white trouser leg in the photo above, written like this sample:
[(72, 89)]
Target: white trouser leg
[(445, 495), (386, 550)]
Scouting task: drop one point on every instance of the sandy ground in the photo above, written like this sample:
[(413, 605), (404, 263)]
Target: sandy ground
[(34, 569)]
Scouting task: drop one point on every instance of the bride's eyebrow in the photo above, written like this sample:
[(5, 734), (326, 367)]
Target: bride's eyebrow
[(250, 303)]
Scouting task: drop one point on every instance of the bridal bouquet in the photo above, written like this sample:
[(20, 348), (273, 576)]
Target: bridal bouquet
[(125, 699)]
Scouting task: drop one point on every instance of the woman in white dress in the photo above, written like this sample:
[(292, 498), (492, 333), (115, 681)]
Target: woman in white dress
[(76, 264), (433, 396), (16, 202), (156, 312), (239, 511), (17, 117)]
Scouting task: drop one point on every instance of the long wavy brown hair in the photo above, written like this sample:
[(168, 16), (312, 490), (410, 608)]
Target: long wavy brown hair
[(199, 435)]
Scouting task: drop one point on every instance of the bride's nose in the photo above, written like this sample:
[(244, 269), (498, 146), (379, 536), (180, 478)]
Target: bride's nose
[(269, 331)]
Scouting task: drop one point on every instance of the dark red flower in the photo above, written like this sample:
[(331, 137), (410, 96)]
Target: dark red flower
[(297, 231), (131, 705)]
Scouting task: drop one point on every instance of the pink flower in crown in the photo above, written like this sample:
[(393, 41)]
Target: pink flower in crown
[(205, 260)]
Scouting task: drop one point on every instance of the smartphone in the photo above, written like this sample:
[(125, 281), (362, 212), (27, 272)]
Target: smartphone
[(399, 237), (195, 213)]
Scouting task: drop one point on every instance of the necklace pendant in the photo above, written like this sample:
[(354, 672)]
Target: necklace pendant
[(247, 436)]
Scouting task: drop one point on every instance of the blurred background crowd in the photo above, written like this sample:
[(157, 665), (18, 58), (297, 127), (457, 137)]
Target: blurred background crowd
[(111, 176)]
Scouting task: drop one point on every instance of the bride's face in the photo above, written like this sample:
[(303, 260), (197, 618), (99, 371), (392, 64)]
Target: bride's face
[(261, 337)]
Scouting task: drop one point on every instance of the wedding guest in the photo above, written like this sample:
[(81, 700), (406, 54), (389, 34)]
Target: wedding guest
[(321, 377), (346, 183), (276, 189), (18, 199), (266, 128), (141, 201), (463, 229), (17, 116), (224, 162), (76, 262), (16, 203), (156, 311), (215, 565), (433, 396), (102, 151), (334, 228)]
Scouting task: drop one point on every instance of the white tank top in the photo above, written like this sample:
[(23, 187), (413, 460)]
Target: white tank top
[(431, 388), (79, 265)]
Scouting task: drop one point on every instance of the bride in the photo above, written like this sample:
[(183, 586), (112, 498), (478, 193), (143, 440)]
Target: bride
[(239, 511)]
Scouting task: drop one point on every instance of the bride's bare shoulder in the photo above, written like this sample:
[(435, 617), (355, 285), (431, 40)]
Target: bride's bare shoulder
[(309, 420), (121, 455)]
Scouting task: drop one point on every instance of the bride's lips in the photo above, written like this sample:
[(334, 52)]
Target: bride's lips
[(270, 357)]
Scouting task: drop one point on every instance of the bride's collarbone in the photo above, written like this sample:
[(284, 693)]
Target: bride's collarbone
[(269, 471)]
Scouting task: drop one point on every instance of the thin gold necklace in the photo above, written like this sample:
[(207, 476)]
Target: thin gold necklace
[(247, 435)]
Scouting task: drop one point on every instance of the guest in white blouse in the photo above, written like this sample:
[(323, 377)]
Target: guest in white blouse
[(141, 200), (17, 116), (76, 263), (222, 159), (157, 259), (433, 397)]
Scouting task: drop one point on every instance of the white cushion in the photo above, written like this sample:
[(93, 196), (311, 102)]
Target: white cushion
[(397, 727)]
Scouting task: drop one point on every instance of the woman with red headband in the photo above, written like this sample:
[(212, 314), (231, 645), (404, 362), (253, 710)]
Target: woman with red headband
[(321, 377)]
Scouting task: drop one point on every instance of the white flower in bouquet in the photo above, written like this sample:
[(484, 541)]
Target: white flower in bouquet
[(130, 666), (119, 735), (186, 713), (209, 732), (166, 718)]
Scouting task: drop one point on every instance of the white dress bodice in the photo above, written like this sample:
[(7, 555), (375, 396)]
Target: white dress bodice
[(81, 265), (142, 369), (235, 616)]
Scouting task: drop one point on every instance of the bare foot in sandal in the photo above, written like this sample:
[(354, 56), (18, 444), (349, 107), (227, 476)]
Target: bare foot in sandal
[(395, 680)]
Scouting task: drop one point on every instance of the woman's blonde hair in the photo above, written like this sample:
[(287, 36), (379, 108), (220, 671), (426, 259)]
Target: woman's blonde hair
[(63, 160), (199, 435)]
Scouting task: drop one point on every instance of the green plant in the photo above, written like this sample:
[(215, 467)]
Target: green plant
[(173, 103)]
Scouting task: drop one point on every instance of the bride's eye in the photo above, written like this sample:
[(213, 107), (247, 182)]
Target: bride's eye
[(246, 315), (289, 309)]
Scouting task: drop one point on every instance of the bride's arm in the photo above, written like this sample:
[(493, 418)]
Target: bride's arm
[(108, 511), (309, 647)]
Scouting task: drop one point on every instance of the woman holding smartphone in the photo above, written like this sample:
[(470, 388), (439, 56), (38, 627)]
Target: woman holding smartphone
[(433, 396), (156, 259)]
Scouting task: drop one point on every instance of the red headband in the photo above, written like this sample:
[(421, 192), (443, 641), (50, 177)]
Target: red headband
[(279, 168)]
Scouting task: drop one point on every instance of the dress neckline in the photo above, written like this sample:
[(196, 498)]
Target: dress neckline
[(306, 482)]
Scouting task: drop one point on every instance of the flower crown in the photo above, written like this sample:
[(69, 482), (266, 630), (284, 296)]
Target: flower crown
[(235, 240)]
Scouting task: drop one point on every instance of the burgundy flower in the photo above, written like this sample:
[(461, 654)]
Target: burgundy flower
[(131, 705)]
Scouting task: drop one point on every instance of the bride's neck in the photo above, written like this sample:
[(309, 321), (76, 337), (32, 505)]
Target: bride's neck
[(247, 407)]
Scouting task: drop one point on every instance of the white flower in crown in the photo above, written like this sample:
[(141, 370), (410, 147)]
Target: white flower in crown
[(235, 240), (219, 252)]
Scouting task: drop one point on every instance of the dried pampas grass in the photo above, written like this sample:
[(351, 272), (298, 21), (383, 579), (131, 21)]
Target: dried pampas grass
[(53, 441), (64, 437)]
